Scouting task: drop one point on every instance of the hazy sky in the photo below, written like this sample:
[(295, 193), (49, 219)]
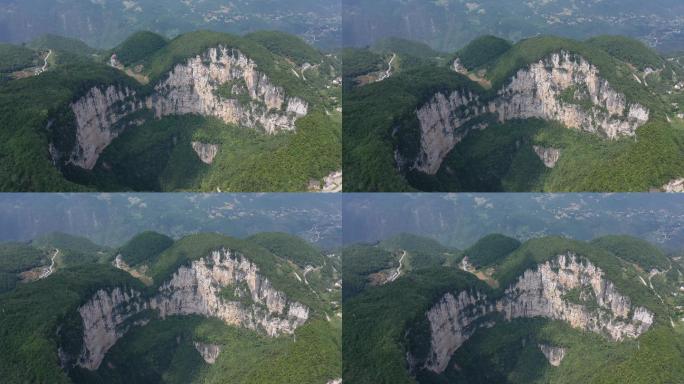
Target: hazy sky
[(461, 219)]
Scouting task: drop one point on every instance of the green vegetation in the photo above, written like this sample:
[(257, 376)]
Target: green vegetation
[(628, 50), (630, 249), (39, 317), (14, 58), (158, 155), (290, 248), (482, 52), (290, 46), (62, 44), (380, 122), (138, 47), (383, 323), (491, 250), (357, 62), (422, 252), (144, 248)]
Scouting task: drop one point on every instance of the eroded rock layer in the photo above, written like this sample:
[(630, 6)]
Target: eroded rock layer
[(222, 83), (567, 288), (196, 289), (562, 87)]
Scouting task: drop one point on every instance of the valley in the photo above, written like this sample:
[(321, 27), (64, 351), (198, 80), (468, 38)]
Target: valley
[(202, 112), (202, 308), (545, 114), (550, 309)]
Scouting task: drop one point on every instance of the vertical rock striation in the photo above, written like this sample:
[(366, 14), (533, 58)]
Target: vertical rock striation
[(562, 87), (209, 352), (549, 156), (100, 117), (541, 292), (194, 87), (194, 289), (206, 152), (554, 355)]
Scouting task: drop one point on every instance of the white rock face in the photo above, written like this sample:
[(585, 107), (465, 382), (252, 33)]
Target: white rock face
[(190, 88), (549, 156), (97, 116), (537, 91), (205, 151), (441, 121), (537, 293), (103, 323), (195, 290), (554, 355), (674, 186), (209, 352)]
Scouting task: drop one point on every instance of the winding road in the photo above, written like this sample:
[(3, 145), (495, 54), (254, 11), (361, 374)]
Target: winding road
[(397, 273), (45, 64), (388, 72), (51, 268)]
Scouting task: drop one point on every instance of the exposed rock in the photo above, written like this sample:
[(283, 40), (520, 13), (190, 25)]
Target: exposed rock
[(537, 90), (562, 87), (98, 115), (193, 289), (441, 122), (209, 352), (104, 322), (458, 67), (335, 381), (538, 292), (674, 186), (553, 354), (331, 183), (205, 151), (549, 156), (190, 88)]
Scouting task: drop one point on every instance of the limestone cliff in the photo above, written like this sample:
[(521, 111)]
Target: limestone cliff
[(562, 87), (674, 186), (206, 152), (549, 156), (100, 117), (554, 355), (222, 83), (195, 289), (541, 292), (209, 352)]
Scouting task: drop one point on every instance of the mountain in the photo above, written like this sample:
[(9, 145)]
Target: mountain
[(458, 220), (545, 114), (205, 111), (206, 308), (114, 219), (552, 310), (104, 23), (450, 24)]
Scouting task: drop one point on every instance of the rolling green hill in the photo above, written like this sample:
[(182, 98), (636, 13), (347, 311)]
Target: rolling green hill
[(383, 133), (385, 324), (491, 249), (38, 125), (42, 316)]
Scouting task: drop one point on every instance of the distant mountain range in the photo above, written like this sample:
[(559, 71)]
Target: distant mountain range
[(447, 25), (104, 23)]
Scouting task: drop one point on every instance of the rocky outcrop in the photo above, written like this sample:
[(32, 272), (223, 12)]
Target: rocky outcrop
[(674, 186), (541, 292), (205, 151), (562, 87), (100, 118), (105, 320), (192, 87), (442, 122), (537, 91), (209, 352), (549, 156), (192, 290), (330, 184), (554, 355)]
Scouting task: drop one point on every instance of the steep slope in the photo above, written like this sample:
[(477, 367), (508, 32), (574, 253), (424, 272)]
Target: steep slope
[(551, 104), (237, 91), (563, 311), (217, 303)]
